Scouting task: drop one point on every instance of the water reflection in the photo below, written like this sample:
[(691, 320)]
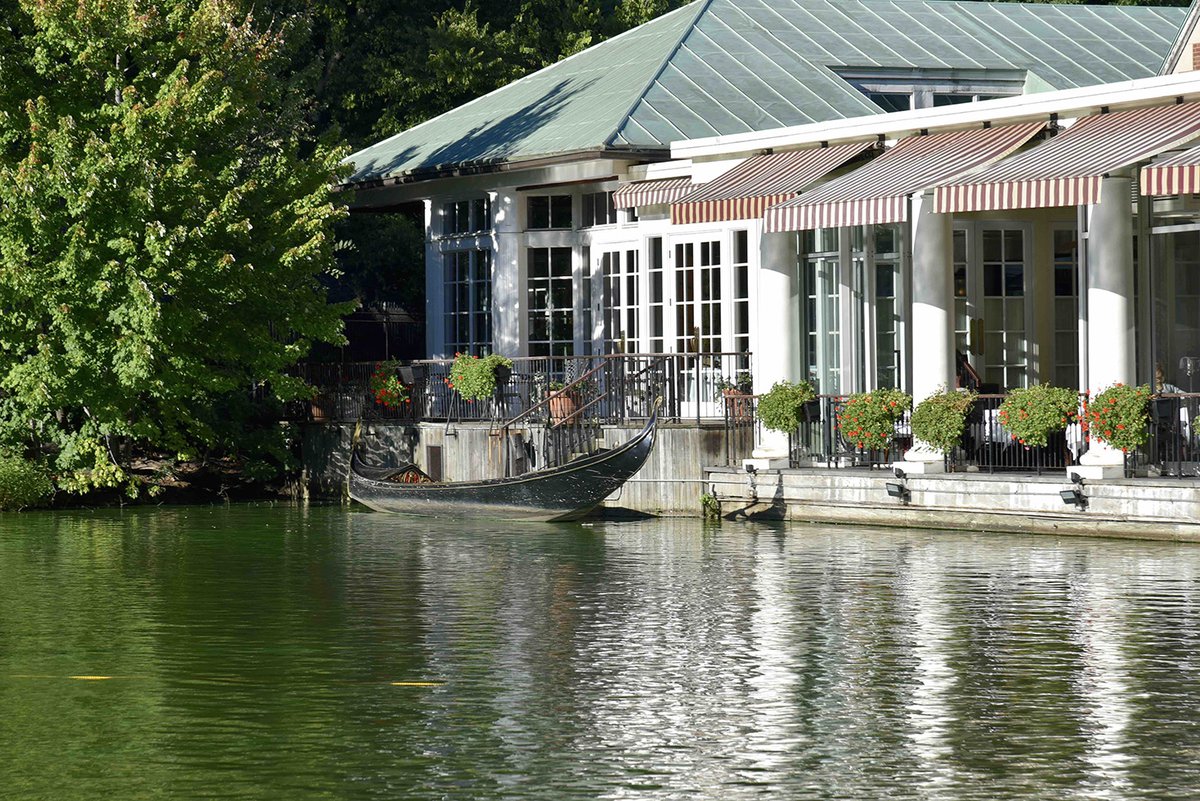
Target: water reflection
[(280, 652)]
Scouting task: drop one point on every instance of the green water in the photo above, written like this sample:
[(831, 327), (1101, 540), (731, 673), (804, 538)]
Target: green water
[(322, 654)]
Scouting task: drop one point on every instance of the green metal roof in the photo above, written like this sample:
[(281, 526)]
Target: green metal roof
[(731, 66)]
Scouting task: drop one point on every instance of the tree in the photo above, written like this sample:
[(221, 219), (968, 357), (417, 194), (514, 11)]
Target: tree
[(163, 236)]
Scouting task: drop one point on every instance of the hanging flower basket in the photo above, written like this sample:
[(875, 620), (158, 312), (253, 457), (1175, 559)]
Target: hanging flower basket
[(1120, 416), (476, 378), (940, 419), (782, 408), (386, 387), (1034, 413), (868, 420)]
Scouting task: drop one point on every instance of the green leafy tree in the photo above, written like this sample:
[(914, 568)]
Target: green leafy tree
[(163, 233)]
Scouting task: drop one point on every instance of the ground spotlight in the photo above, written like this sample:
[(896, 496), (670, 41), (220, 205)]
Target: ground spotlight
[(898, 473), (751, 469), (1073, 496), (897, 491)]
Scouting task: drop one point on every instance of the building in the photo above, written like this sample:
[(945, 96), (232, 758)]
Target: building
[(859, 193)]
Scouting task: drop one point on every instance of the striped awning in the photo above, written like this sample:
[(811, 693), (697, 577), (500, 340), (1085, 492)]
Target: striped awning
[(877, 192), (747, 190), (648, 193), (1066, 170), (1177, 174)]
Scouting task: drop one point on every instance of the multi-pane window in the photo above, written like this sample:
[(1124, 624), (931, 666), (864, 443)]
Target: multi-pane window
[(468, 301), (655, 271), (551, 302), (466, 216), (621, 295), (741, 292), (887, 270), (905, 89), (1066, 310), (1005, 354), (963, 307), (549, 211), (598, 209), (698, 297), (822, 326)]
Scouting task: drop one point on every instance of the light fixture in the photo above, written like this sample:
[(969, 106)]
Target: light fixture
[(898, 473), (751, 469), (897, 490), (1074, 496)]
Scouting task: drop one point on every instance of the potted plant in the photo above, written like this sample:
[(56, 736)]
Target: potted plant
[(564, 403), (1034, 413), (736, 394), (868, 419), (940, 419), (476, 377), (1120, 416), (386, 387), (782, 407)]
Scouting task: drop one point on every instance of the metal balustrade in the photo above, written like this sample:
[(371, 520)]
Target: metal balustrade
[(623, 385)]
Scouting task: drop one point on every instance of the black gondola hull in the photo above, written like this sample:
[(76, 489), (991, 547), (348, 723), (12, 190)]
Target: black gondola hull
[(561, 493)]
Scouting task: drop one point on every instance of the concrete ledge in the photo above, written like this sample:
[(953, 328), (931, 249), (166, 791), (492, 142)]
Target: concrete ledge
[(1158, 509)]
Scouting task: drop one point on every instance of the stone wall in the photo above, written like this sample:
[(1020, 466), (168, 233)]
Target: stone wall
[(1143, 508)]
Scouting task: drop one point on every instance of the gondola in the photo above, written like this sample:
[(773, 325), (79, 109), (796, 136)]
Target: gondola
[(566, 492)]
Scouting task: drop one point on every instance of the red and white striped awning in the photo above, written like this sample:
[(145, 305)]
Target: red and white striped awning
[(1066, 170), (648, 193), (1177, 174), (877, 192), (747, 190)]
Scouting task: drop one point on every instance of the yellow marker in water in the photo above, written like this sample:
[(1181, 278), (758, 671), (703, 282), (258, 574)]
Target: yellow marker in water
[(417, 684), (90, 678)]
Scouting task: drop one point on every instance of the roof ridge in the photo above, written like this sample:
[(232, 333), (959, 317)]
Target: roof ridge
[(666, 62)]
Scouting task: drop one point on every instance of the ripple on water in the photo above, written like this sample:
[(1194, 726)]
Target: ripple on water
[(281, 652)]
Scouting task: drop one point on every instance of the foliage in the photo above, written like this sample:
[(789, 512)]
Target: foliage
[(868, 419), (939, 420), (710, 507), (782, 407), (163, 234), (474, 377), (1120, 416), (742, 384), (1033, 413), (22, 484), (386, 386)]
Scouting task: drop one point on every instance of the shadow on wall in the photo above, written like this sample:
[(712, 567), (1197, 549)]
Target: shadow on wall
[(326, 454)]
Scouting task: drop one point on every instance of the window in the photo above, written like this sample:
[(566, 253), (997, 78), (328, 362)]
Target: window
[(1005, 355), (887, 276), (549, 211), (466, 216), (551, 302), (620, 276), (1066, 310), (598, 209), (656, 295), (741, 293), (822, 328), (912, 88), (468, 301)]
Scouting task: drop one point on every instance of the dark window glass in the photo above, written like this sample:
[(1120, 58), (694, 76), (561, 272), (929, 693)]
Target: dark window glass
[(951, 100), (539, 212), (993, 280), (560, 211), (891, 101)]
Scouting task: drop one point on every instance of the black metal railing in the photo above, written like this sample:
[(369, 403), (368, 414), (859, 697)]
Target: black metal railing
[(1173, 448), (623, 387)]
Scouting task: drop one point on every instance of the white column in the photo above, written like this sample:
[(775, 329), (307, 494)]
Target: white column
[(932, 318), (508, 280), (1110, 335), (777, 345), (435, 339)]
